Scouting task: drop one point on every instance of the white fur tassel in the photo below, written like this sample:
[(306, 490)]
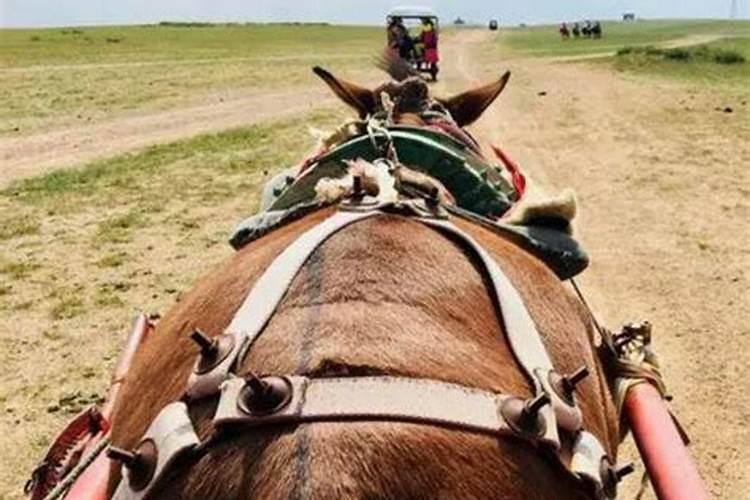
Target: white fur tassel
[(377, 181), (536, 204)]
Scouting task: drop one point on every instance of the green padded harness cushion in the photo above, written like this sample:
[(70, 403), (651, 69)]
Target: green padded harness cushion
[(476, 186)]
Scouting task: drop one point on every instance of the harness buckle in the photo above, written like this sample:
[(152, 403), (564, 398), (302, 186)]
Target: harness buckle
[(525, 417)]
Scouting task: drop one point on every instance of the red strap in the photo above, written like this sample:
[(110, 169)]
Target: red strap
[(517, 177), (65, 451), (310, 160)]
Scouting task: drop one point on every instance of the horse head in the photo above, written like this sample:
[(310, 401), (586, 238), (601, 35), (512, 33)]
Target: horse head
[(406, 100), (410, 101), (411, 96)]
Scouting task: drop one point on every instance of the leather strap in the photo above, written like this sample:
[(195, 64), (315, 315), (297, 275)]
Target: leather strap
[(385, 398), (424, 401), (522, 334), (588, 455), (171, 434)]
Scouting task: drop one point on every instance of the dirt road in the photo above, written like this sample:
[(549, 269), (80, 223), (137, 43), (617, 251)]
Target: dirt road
[(38, 153), (664, 212)]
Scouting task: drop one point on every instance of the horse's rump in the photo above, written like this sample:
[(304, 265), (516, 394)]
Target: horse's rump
[(385, 296)]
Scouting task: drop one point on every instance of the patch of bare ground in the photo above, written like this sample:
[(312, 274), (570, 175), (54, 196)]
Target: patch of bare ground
[(38, 153)]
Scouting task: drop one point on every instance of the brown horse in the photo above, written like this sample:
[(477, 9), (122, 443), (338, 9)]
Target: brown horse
[(385, 296)]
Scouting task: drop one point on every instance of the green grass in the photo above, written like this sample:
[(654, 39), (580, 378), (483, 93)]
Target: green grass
[(116, 259), (546, 41), (724, 62), (107, 298), (13, 227), (14, 270), (67, 308), (118, 229), (202, 167), (153, 43), (54, 76)]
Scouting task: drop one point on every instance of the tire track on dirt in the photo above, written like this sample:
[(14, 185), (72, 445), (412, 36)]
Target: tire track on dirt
[(35, 154), (181, 62), (665, 245)]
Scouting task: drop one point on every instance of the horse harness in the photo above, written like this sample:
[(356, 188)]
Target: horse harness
[(550, 421)]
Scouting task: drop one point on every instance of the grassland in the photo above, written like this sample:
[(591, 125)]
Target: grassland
[(546, 41), (83, 249), (699, 64), (56, 77), (637, 48)]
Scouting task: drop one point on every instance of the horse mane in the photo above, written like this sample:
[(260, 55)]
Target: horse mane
[(396, 67)]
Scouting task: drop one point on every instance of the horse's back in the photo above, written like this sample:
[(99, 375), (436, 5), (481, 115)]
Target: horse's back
[(385, 296)]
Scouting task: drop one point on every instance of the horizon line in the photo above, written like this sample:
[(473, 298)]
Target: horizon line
[(468, 23)]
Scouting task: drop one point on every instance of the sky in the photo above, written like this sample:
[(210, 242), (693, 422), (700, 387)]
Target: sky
[(33, 13)]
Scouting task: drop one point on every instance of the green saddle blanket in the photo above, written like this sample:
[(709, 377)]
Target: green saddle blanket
[(477, 186), (480, 191)]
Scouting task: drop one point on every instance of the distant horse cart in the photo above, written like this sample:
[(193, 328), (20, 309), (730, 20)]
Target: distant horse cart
[(421, 49)]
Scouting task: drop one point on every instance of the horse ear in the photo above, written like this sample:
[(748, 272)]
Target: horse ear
[(352, 94), (467, 107)]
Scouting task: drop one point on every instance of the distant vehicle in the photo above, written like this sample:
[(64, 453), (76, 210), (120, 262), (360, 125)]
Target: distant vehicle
[(493, 24), (421, 50), (628, 17)]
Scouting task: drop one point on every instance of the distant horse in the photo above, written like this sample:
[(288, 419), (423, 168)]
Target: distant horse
[(576, 30), (393, 302), (596, 30), (586, 30), (564, 31)]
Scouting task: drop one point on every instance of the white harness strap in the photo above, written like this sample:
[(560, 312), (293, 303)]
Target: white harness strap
[(520, 330), (171, 435), (376, 398), (265, 297)]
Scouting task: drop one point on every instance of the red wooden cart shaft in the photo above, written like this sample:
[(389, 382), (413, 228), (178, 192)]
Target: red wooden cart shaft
[(141, 329), (670, 467), (92, 484)]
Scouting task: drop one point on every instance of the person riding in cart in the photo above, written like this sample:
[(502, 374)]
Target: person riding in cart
[(405, 45), (428, 41), (421, 50), (395, 32)]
